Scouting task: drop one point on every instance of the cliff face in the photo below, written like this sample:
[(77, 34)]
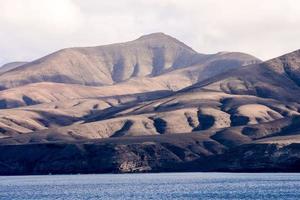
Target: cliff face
[(262, 157), (147, 157), (263, 149), (113, 156)]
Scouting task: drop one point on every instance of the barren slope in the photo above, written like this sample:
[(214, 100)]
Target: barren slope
[(104, 65), (231, 99)]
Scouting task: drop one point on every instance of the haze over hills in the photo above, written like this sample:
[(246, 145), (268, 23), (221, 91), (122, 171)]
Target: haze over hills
[(10, 66), (152, 104)]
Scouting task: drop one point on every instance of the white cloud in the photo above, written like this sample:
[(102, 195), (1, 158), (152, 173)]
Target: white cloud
[(33, 28)]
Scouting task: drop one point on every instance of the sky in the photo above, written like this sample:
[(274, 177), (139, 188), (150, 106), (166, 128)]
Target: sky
[(33, 28)]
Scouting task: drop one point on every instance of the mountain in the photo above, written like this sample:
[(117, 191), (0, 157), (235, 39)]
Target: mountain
[(277, 78), (149, 55), (105, 65), (192, 112), (44, 92), (61, 104), (10, 66), (152, 62)]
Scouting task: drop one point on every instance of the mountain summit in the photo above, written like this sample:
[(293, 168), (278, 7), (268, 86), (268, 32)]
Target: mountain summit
[(162, 37)]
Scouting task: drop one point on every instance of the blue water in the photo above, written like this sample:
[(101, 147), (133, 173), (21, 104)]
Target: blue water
[(153, 186)]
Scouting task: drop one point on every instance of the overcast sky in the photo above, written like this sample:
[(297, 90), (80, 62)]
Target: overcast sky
[(33, 28)]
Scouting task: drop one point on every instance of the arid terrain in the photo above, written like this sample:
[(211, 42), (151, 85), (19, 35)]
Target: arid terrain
[(149, 105)]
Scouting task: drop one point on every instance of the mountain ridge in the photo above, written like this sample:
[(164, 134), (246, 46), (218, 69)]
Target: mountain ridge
[(150, 55)]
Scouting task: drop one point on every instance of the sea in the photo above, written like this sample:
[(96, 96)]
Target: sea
[(158, 186)]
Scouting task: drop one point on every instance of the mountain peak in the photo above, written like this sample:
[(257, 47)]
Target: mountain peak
[(160, 37), (156, 35)]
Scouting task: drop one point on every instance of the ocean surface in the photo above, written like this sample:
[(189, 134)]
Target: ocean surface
[(153, 186)]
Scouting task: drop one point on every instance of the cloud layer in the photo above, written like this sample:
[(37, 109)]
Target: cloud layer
[(34, 28)]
